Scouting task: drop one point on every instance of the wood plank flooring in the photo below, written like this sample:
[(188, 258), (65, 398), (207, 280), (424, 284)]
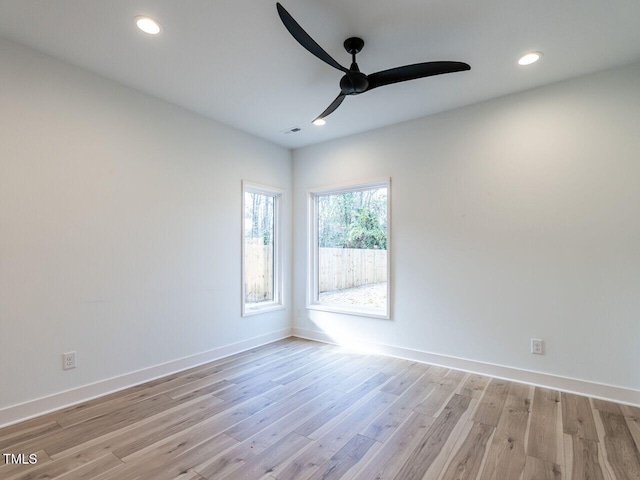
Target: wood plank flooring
[(301, 410)]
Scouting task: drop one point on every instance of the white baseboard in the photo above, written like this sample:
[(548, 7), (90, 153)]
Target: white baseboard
[(571, 385), (23, 411)]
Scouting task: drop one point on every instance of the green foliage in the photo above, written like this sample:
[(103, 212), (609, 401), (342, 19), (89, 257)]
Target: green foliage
[(365, 231), (353, 220)]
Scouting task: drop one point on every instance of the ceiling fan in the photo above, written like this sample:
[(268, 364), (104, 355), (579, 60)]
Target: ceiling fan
[(355, 82)]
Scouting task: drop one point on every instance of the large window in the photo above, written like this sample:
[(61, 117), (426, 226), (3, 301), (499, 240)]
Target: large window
[(261, 249), (348, 249)]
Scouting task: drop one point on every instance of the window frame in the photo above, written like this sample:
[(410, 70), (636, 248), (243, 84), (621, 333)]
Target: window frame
[(313, 248), (278, 291)]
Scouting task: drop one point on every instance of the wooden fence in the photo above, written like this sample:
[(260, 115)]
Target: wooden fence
[(258, 273), (341, 268)]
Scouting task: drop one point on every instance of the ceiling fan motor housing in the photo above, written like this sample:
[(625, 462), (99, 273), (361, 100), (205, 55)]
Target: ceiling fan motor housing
[(354, 82)]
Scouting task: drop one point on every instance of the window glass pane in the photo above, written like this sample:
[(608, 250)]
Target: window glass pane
[(352, 249), (259, 242)]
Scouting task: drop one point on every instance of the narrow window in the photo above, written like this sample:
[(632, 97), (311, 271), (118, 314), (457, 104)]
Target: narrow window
[(348, 250), (261, 249)]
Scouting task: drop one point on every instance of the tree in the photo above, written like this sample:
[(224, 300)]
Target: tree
[(366, 231), (259, 212), (353, 219)]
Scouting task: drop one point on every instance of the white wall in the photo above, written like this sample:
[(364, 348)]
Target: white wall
[(119, 228), (511, 219)]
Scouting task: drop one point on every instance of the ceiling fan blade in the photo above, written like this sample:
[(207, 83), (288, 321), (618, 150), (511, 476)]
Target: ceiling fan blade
[(411, 72), (305, 40), (330, 109)]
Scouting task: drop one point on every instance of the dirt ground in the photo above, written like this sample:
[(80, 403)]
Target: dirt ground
[(372, 296)]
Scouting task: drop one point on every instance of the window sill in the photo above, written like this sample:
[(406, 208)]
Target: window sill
[(357, 311), (248, 311)]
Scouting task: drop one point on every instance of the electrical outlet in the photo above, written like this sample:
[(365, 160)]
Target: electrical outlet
[(537, 346), (298, 313), (68, 360)]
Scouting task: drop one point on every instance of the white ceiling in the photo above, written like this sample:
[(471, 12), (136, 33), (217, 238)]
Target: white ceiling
[(233, 60)]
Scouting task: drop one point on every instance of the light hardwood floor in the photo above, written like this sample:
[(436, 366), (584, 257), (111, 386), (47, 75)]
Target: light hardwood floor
[(296, 409)]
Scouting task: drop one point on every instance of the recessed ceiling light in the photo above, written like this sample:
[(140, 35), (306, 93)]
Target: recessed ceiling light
[(148, 25), (529, 58), (319, 122)]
